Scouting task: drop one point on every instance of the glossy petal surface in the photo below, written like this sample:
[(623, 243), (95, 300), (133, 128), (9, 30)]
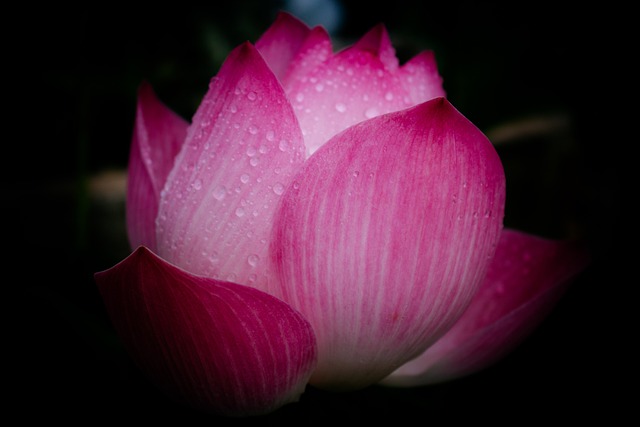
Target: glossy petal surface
[(384, 236), (525, 280), (217, 346), (242, 149), (158, 136)]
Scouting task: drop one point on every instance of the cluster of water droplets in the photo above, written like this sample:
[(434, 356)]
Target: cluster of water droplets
[(335, 97), (238, 168)]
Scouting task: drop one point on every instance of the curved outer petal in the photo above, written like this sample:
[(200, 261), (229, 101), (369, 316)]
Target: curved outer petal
[(158, 135), (241, 151), (525, 280), (385, 235), (217, 346), (359, 83)]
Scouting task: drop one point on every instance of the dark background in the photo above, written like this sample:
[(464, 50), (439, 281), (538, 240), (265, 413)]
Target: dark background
[(75, 72)]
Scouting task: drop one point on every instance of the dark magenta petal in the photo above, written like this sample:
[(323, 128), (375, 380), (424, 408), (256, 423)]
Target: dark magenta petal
[(158, 136), (525, 280), (217, 346)]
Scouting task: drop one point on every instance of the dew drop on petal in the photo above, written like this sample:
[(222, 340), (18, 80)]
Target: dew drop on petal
[(244, 178), (340, 107), (371, 112), (253, 260), (271, 135), (220, 192), (278, 189), (251, 96), (240, 212), (197, 184)]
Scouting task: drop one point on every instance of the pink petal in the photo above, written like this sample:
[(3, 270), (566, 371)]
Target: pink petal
[(281, 42), (217, 346), (241, 151), (314, 51), (384, 236), (292, 49), (525, 280), (157, 138), (356, 84)]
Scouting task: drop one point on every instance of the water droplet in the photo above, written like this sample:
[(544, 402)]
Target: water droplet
[(356, 173), (240, 212), (283, 145), (253, 278), (251, 96), (254, 161), (271, 135), (388, 96), (214, 258), (197, 184), (340, 107), (253, 260), (319, 87), (252, 130), (300, 97), (278, 188), (233, 109), (371, 112), (220, 192), (244, 178), (251, 151)]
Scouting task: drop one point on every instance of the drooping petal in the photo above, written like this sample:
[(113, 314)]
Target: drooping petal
[(158, 135), (241, 151), (359, 83), (525, 280), (217, 346), (385, 235)]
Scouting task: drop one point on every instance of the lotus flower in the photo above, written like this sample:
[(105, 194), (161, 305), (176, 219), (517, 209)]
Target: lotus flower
[(327, 219)]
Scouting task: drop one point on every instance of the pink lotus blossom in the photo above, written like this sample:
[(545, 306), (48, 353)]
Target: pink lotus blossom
[(327, 219)]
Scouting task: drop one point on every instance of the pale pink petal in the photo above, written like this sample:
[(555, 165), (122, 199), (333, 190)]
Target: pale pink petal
[(314, 51), (420, 78), (158, 135), (359, 83), (217, 346), (525, 280), (240, 153), (384, 236), (281, 42)]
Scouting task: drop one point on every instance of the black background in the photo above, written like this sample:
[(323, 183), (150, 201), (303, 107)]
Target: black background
[(73, 74)]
